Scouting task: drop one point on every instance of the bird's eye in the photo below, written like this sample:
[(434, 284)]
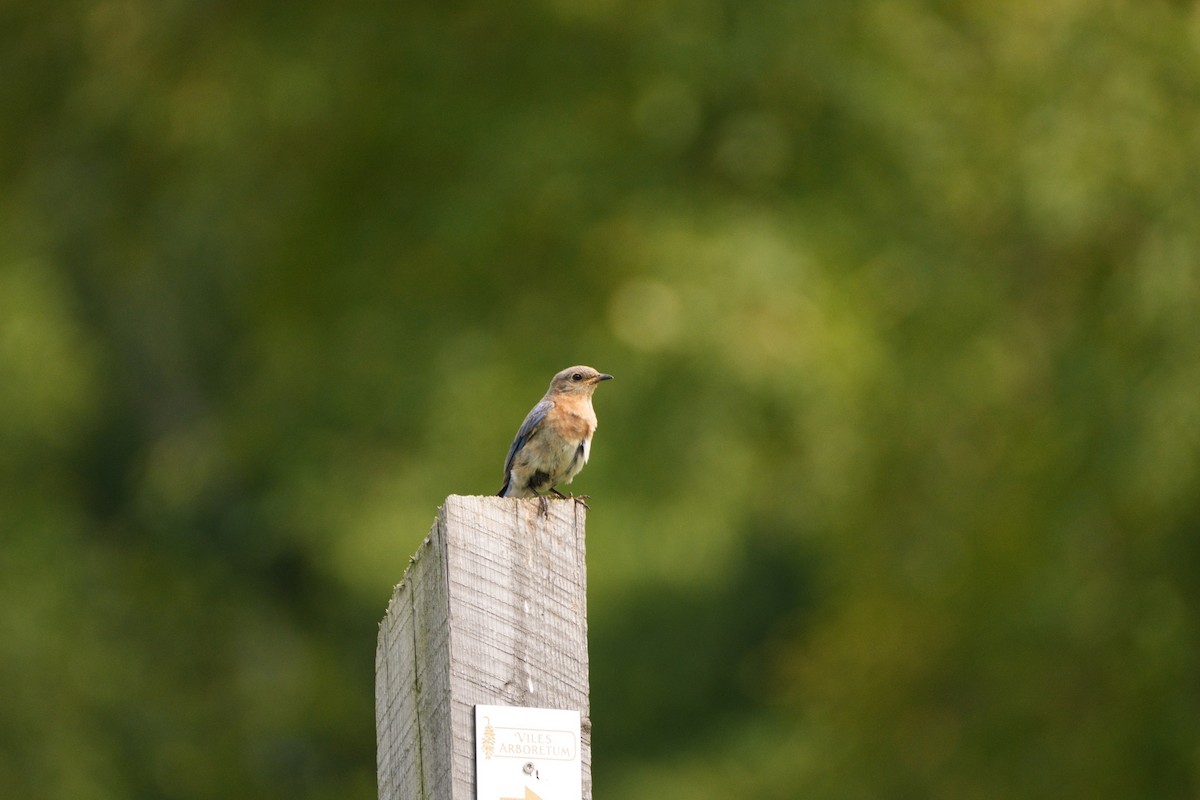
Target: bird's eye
[(578, 376)]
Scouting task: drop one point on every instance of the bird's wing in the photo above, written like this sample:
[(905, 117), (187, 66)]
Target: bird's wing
[(528, 428)]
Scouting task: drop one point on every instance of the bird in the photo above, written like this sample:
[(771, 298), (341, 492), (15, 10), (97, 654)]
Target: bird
[(554, 441)]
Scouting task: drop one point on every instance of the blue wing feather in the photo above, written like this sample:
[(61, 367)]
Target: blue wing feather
[(532, 420)]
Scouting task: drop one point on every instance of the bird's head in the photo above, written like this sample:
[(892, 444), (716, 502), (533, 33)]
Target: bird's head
[(578, 380)]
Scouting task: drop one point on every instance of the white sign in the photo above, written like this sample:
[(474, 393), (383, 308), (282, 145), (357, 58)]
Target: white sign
[(527, 754)]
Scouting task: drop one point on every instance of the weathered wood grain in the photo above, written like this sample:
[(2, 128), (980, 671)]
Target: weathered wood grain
[(493, 610)]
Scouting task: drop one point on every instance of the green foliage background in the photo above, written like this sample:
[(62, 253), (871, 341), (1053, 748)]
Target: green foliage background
[(896, 494)]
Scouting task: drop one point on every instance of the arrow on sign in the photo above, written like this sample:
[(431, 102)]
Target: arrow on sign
[(529, 795)]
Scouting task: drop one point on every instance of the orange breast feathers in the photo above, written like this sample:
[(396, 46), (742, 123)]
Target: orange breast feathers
[(576, 417)]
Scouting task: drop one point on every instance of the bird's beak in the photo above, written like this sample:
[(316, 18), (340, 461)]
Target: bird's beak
[(601, 377)]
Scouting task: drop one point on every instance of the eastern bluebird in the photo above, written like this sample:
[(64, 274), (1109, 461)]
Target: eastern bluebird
[(554, 441)]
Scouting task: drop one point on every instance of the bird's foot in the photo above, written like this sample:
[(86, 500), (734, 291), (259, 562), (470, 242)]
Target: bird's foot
[(578, 499), (543, 506)]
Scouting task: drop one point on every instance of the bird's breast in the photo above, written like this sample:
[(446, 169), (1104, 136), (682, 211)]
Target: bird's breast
[(578, 428)]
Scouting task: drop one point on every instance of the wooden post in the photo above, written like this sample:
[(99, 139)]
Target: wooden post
[(492, 610)]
